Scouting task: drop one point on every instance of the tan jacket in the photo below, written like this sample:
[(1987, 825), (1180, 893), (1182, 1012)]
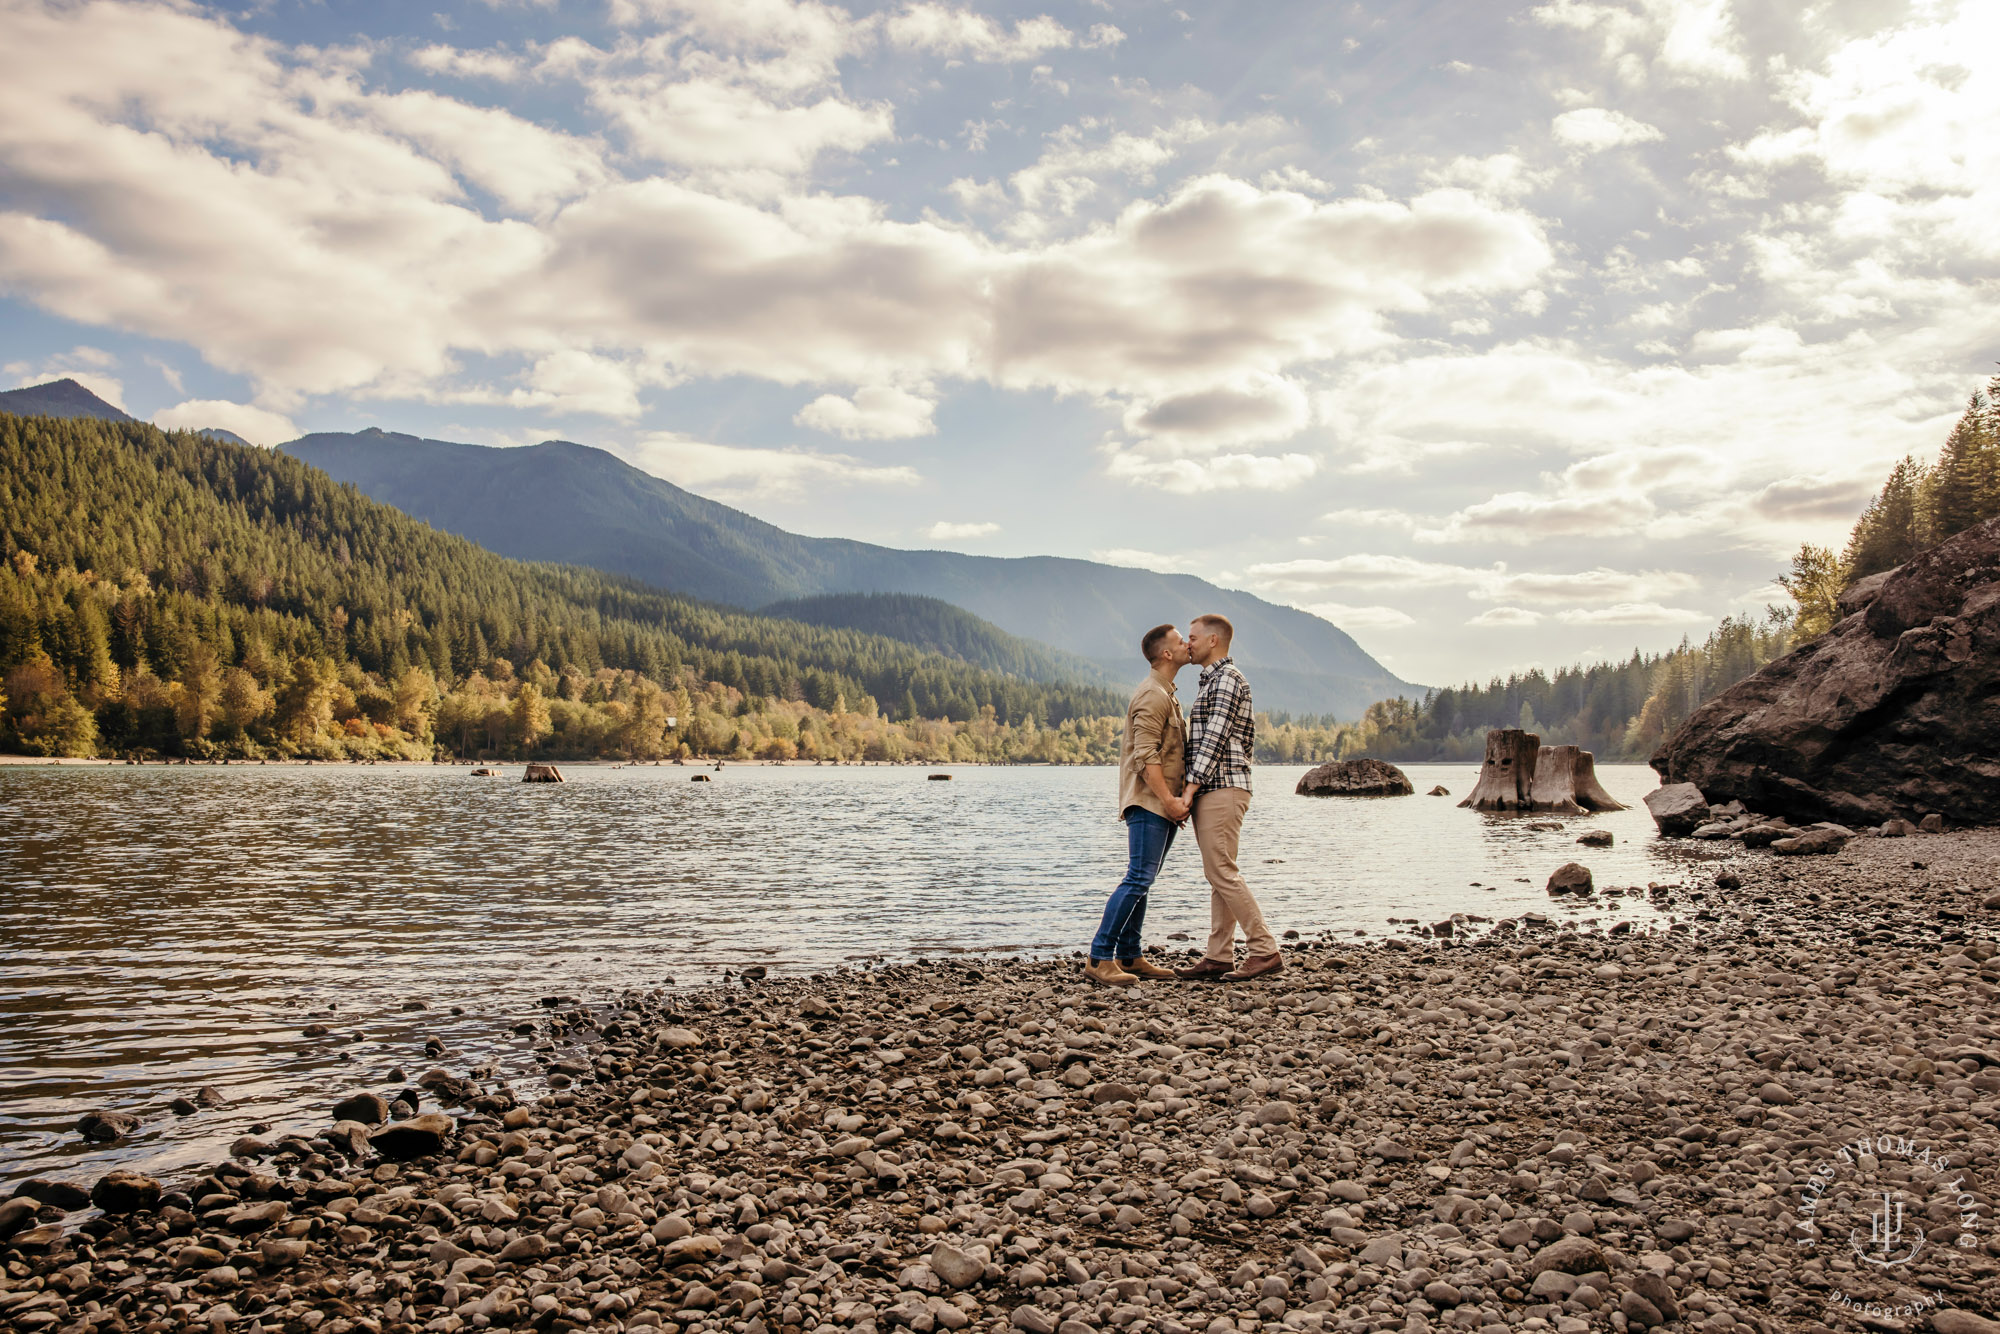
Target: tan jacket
[(1155, 733)]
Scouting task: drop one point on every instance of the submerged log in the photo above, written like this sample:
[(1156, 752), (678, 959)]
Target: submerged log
[(1508, 774)]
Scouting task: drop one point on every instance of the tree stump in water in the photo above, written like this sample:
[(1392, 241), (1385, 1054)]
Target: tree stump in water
[(1590, 793), (1521, 774), (1566, 782), (1508, 774), (1554, 785), (542, 773)]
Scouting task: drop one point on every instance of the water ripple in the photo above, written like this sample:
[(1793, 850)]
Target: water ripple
[(166, 928)]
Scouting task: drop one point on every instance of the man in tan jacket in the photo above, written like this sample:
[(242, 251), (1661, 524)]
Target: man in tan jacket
[(1151, 766)]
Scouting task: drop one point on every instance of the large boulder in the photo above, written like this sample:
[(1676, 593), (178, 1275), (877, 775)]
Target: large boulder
[(1887, 715), (1678, 809), (1355, 778)]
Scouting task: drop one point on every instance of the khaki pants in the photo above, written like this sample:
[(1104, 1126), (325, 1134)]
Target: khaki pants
[(1218, 822)]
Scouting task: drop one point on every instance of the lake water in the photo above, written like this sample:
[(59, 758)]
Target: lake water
[(167, 928)]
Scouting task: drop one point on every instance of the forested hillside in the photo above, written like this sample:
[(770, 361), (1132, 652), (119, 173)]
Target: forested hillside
[(1917, 507), (562, 501), (172, 593)]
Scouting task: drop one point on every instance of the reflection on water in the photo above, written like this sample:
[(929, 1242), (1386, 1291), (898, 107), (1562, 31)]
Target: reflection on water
[(162, 929)]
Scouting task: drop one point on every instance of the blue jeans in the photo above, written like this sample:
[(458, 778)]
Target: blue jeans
[(1149, 836)]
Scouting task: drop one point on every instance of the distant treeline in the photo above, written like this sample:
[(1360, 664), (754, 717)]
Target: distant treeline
[(1917, 507), (167, 593), (1618, 710)]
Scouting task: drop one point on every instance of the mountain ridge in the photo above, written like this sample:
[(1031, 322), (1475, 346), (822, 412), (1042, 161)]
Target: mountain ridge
[(570, 503), (938, 627), (60, 398), (578, 504)]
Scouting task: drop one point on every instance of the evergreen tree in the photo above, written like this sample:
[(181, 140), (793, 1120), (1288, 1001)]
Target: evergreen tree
[(1895, 526), (1815, 583)]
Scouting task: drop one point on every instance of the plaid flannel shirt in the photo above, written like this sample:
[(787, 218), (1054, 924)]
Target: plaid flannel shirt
[(1222, 735)]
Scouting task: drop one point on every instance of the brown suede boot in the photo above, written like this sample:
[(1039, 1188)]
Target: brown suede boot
[(1208, 970), (1257, 965), (1107, 973), (1144, 967)]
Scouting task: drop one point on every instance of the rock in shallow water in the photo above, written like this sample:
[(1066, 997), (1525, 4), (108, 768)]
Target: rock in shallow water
[(106, 1125), (1355, 778), (1571, 878), (1678, 808)]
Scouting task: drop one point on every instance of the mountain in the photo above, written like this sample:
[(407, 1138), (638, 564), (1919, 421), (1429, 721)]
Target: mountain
[(225, 437), (938, 627), (561, 501), (204, 541), (60, 398)]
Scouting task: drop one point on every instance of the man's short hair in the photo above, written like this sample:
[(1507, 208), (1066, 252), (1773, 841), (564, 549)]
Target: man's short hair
[(1217, 624), (1149, 643)]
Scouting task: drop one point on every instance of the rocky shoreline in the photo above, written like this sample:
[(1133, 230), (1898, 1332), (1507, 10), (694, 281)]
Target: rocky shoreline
[(1534, 1128)]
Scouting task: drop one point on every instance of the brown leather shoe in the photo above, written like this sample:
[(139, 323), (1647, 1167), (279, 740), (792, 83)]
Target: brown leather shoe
[(1107, 973), (1208, 970), (1257, 965), (1144, 967)]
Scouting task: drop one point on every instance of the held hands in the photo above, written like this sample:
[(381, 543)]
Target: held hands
[(1178, 808)]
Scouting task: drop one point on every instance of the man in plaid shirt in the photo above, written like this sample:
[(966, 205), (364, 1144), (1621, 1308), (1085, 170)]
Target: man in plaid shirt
[(1221, 737)]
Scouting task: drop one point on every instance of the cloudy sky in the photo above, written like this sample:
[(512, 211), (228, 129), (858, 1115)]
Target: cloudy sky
[(1498, 334)]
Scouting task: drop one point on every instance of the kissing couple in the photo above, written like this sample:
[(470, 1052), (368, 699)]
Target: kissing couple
[(1172, 771)]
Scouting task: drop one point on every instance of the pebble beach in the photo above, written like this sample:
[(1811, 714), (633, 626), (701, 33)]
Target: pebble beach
[(1525, 1125)]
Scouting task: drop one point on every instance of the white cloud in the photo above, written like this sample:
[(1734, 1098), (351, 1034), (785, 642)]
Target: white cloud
[(503, 66), (1222, 279), (1500, 175), (1074, 169), (1687, 41), (1367, 518), (528, 167), (1594, 129), (1506, 616), (1360, 618), (940, 30), (734, 129), (1599, 584), (1253, 409), (876, 412), (946, 531), (254, 424), (1494, 583), (762, 474), (1816, 498), (315, 235), (1633, 613), (1223, 472), (1522, 518)]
